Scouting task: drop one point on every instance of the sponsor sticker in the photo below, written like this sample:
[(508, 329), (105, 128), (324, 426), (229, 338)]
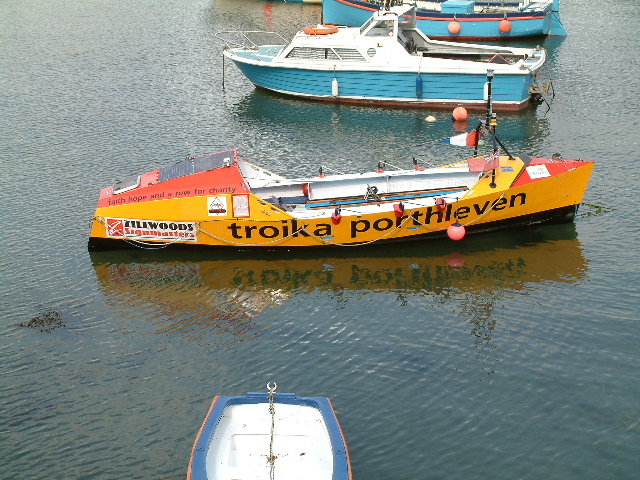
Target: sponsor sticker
[(538, 171), (240, 205), (217, 206), (151, 229)]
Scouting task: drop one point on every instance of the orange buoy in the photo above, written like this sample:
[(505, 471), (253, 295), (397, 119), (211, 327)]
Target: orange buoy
[(505, 26), (441, 203), (454, 27), (320, 29), (456, 231), (459, 113)]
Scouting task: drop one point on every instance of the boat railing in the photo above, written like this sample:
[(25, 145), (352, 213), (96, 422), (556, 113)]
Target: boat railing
[(250, 39)]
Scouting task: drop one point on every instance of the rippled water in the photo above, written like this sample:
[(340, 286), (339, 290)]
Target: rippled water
[(509, 355)]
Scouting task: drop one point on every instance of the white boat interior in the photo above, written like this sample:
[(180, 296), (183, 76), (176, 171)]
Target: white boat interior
[(241, 445), (375, 191)]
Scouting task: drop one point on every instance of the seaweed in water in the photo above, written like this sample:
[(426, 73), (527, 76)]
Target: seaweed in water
[(45, 322)]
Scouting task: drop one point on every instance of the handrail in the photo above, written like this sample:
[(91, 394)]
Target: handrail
[(248, 42)]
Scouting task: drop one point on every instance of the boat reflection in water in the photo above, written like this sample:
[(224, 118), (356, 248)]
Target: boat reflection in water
[(218, 298)]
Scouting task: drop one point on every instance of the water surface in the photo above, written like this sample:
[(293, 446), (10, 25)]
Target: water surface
[(503, 356)]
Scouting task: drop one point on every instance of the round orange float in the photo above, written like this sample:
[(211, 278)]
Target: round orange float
[(505, 26), (459, 113), (456, 231)]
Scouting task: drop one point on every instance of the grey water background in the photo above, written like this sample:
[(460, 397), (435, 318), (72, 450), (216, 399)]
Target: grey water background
[(503, 356)]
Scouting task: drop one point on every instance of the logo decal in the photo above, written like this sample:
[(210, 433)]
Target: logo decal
[(538, 171), (151, 230), (240, 205), (217, 206)]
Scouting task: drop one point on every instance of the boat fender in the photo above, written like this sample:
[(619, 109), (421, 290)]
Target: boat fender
[(334, 87), (456, 231), (441, 203), (336, 218), (320, 29), (505, 25), (306, 189), (454, 27), (398, 209), (459, 114), (419, 86)]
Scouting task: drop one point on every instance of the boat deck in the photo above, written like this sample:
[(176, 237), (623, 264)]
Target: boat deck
[(304, 198)]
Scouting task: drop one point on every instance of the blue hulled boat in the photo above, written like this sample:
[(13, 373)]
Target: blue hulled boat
[(389, 61), (272, 435), (461, 19)]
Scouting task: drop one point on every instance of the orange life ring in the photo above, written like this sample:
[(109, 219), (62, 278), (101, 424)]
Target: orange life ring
[(320, 29)]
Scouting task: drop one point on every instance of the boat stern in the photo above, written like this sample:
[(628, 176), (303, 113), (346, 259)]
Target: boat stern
[(167, 205)]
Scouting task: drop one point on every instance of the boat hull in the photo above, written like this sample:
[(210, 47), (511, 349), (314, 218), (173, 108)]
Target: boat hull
[(473, 26), (511, 92), (518, 199), (302, 437), (560, 215)]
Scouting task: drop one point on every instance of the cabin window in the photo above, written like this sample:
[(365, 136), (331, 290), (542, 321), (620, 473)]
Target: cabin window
[(312, 53), (382, 28), (349, 54), (366, 25)]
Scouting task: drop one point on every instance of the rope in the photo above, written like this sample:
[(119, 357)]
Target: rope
[(272, 410), (302, 229), (361, 243), (239, 244), (310, 234), (444, 228), (485, 213), (150, 246)]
